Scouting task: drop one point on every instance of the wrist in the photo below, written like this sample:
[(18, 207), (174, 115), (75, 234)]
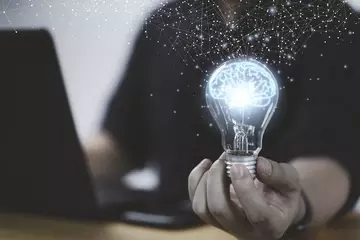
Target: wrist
[(301, 211), (302, 220)]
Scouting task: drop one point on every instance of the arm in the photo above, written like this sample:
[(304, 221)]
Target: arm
[(114, 151), (314, 172), (105, 159), (323, 151)]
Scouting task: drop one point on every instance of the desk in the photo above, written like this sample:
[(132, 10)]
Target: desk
[(31, 228)]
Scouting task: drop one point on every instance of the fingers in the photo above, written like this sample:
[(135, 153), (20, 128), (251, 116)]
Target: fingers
[(209, 190), (198, 192), (196, 175), (253, 202), (282, 177), (218, 197), (199, 203), (210, 195)]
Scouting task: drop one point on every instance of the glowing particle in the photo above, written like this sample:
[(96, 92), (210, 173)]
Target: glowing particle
[(272, 10)]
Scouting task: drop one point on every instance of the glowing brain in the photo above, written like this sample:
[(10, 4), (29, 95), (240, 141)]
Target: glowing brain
[(243, 83)]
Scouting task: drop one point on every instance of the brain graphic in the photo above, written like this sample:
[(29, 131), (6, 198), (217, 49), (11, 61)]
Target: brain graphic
[(243, 80)]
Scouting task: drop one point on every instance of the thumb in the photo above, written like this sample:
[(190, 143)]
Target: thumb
[(252, 201), (283, 177)]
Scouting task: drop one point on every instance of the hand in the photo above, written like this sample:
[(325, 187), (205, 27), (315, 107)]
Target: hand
[(247, 209), (104, 158)]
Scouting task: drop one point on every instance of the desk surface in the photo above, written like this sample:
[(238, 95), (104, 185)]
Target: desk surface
[(29, 228)]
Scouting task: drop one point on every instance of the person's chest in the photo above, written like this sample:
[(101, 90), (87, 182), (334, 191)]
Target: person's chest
[(179, 118)]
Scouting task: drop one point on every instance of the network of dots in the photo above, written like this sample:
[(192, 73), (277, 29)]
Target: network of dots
[(72, 12), (257, 28), (207, 28), (204, 29)]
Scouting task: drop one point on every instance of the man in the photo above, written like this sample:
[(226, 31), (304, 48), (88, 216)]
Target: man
[(157, 113)]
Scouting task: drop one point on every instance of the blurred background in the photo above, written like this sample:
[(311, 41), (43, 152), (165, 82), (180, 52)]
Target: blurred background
[(93, 39)]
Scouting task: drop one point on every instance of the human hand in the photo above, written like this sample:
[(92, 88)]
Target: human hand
[(248, 209), (104, 158)]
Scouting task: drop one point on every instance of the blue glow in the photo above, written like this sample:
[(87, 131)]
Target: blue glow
[(243, 83), (242, 95)]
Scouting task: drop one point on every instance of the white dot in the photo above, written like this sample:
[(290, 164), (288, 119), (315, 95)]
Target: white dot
[(272, 10)]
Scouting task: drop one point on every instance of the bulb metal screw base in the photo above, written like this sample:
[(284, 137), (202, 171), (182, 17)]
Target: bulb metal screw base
[(248, 161)]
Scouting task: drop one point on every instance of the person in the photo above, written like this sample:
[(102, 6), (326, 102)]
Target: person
[(307, 174)]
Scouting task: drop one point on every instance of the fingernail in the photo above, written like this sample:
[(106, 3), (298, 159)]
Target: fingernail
[(237, 171), (265, 166), (206, 163)]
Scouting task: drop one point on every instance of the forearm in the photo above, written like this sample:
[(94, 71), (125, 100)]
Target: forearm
[(325, 183)]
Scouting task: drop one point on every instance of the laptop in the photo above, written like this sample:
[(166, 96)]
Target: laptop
[(43, 169)]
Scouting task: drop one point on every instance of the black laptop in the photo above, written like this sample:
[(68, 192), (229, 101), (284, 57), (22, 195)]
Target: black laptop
[(42, 166)]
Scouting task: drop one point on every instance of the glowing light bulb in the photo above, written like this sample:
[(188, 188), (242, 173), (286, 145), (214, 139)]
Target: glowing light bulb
[(242, 95)]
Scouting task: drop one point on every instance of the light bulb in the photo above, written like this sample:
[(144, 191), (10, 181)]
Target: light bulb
[(242, 95)]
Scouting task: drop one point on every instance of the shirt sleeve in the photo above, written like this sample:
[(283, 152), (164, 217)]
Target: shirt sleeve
[(330, 130), (125, 117), (327, 120)]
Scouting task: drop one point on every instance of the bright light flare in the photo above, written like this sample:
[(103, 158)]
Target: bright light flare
[(240, 97)]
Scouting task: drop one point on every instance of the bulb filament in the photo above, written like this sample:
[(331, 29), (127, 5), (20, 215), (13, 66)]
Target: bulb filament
[(241, 143)]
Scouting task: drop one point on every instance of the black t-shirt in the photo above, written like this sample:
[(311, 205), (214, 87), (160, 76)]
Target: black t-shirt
[(158, 110)]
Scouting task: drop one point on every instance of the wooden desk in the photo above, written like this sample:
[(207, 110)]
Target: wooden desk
[(31, 228)]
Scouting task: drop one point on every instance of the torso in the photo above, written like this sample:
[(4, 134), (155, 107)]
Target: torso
[(182, 130)]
